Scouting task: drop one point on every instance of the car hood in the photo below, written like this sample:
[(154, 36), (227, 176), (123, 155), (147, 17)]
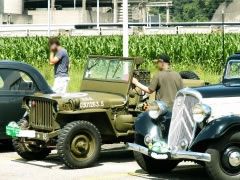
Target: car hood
[(85, 100), (223, 100), (219, 90)]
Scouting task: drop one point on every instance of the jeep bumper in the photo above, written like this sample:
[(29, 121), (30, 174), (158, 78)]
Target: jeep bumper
[(187, 155), (13, 130)]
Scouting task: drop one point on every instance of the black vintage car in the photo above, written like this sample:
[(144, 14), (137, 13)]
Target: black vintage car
[(204, 126), (16, 81)]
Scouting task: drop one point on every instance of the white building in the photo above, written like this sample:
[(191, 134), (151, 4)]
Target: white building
[(68, 11), (12, 11)]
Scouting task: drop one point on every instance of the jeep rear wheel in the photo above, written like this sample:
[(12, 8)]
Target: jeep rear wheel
[(79, 144), (225, 160), (152, 166), (29, 151)]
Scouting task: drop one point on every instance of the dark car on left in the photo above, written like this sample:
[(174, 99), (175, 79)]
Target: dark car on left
[(17, 80)]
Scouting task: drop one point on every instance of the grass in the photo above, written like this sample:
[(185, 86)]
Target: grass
[(76, 73), (205, 75), (188, 49)]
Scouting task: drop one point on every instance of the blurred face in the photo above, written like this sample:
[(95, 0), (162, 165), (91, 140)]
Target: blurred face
[(54, 47), (160, 65)]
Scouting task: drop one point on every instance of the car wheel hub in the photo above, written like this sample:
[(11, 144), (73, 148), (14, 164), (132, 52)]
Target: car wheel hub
[(231, 160), (234, 158)]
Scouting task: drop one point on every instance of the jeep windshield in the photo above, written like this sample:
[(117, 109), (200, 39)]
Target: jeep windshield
[(108, 69), (232, 73)]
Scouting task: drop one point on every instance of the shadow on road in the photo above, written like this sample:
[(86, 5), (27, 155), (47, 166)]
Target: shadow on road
[(181, 172), (186, 172), (6, 147), (116, 156), (53, 160)]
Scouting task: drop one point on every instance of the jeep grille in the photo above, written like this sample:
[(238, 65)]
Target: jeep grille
[(42, 114), (183, 127)]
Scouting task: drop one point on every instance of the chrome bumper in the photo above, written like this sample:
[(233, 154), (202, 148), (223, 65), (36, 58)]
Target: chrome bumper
[(171, 154)]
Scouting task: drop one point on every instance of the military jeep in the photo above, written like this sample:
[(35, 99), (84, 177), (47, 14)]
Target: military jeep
[(76, 124)]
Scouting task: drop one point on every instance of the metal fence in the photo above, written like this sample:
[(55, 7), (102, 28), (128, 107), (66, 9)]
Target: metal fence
[(23, 30)]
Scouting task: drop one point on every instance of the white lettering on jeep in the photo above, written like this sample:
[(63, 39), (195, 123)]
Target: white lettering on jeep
[(91, 104)]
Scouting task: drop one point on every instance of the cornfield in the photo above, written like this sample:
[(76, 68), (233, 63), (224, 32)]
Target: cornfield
[(186, 50)]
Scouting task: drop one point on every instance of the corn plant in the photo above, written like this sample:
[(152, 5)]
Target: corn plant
[(185, 50)]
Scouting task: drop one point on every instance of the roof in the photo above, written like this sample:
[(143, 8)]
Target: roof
[(30, 70), (234, 56)]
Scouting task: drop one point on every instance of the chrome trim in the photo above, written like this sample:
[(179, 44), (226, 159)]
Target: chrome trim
[(161, 109), (183, 126), (188, 155), (137, 148), (205, 112), (234, 159), (191, 155), (192, 92)]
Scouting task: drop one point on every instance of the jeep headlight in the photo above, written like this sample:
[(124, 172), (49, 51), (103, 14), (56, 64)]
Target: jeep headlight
[(157, 108), (201, 112)]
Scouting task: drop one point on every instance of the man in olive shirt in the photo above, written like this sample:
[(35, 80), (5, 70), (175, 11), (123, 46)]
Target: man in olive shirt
[(165, 82)]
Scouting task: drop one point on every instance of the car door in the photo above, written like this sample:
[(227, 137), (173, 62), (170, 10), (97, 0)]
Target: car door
[(14, 85)]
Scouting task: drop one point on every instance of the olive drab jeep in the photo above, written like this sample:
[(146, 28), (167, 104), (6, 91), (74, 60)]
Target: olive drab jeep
[(76, 124)]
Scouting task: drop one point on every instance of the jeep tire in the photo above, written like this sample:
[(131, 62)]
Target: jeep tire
[(220, 167), (153, 166), (29, 152), (79, 144), (189, 75)]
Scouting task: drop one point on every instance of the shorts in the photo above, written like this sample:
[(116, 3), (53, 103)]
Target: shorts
[(60, 85)]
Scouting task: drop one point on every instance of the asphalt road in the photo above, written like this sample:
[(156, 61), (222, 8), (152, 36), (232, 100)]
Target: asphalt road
[(115, 163)]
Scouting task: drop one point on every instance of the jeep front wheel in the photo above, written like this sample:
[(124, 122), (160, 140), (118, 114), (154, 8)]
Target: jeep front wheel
[(225, 159), (29, 151), (79, 144)]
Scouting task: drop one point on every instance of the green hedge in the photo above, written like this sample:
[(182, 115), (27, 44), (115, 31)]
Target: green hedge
[(187, 50)]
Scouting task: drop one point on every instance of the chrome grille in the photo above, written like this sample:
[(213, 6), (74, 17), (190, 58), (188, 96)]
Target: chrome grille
[(183, 127), (41, 114)]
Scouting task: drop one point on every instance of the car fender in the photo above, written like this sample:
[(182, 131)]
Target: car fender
[(216, 129), (144, 125)]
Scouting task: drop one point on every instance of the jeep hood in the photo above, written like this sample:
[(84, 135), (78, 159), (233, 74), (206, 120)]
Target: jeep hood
[(85, 100)]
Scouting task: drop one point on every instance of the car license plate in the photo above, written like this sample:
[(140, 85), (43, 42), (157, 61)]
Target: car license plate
[(159, 156), (27, 133)]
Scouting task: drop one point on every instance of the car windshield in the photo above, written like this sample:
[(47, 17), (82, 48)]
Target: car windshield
[(233, 70), (108, 69)]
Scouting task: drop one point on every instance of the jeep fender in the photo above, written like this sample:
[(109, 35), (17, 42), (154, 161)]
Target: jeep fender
[(216, 129)]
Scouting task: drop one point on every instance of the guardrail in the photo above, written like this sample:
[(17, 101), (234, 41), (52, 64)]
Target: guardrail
[(116, 29)]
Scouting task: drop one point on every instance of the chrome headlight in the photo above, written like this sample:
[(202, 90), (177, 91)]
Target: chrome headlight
[(201, 112), (157, 108)]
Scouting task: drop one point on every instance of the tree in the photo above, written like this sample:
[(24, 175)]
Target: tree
[(193, 10)]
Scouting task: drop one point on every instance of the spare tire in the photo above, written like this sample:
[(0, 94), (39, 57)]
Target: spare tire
[(189, 75)]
